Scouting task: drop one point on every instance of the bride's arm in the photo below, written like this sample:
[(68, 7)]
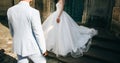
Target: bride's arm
[(62, 7), (61, 10)]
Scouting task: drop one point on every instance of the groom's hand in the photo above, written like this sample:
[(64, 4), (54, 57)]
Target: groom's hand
[(45, 54)]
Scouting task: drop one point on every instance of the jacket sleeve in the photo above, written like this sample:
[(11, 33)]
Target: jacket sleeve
[(10, 26), (38, 32), (11, 29)]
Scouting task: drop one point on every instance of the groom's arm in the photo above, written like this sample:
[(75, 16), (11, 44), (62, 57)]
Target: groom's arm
[(10, 25), (37, 29), (11, 29)]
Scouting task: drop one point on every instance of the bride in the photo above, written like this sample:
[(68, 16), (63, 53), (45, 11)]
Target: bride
[(64, 36)]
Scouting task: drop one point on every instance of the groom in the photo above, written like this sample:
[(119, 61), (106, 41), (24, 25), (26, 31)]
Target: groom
[(25, 27)]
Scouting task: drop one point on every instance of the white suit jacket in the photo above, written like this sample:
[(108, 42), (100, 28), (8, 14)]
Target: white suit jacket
[(25, 26)]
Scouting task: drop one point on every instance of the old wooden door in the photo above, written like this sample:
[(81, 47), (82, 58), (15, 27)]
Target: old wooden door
[(99, 13), (75, 9)]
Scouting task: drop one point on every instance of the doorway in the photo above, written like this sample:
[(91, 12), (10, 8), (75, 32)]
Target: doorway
[(75, 9)]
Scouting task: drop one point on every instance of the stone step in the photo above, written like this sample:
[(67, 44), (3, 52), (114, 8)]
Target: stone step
[(102, 54), (101, 51), (106, 35), (107, 45), (69, 59), (94, 55)]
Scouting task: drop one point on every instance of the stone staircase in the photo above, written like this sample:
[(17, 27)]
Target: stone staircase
[(105, 48)]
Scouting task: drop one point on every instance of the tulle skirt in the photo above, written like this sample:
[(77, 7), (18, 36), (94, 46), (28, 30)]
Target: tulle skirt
[(66, 37)]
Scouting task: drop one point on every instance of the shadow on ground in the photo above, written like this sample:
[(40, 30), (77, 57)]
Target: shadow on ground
[(4, 58)]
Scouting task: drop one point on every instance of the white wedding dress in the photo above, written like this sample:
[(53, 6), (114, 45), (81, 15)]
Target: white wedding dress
[(66, 37)]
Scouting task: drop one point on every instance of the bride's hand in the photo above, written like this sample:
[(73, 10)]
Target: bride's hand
[(58, 20)]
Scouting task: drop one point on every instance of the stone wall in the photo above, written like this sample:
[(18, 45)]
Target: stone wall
[(116, 17), (4, 5), (116, 11), (31, 3), (45, 7), (98, 13)]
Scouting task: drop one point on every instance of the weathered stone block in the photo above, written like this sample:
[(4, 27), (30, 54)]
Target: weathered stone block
[(4, 5), (116, 13)]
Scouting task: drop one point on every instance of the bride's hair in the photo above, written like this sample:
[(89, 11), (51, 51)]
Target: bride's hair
[(56, 1)]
